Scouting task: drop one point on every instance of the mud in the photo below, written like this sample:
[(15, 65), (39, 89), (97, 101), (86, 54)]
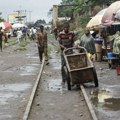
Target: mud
[(18, 72), (106, 97), (53, 101)]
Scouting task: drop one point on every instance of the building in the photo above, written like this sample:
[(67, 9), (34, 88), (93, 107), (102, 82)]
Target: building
[(16, 18)]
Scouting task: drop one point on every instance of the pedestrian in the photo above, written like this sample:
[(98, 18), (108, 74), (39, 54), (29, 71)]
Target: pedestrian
[(4, 38), (19, 35), (42, 44), (24, 32), (28, 33), (33, 33), (87, 41), (1, 37), (66, 40), (55, 32)]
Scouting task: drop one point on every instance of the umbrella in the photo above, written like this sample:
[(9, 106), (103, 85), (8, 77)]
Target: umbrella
[(5, 25), (117, 15), (18, 25), (108, 17), (96, 20)]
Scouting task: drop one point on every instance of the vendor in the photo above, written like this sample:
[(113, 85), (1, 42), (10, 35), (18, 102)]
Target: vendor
[(87, 41), (116, 44)]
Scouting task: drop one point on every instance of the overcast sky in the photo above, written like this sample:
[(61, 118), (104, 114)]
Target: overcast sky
[(38, 8)]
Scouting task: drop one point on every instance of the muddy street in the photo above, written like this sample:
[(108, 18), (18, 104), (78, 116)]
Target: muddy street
[(19, 70), (105, 98), (53, 101)]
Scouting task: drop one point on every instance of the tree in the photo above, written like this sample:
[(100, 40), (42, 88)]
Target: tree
[(39, 22), (1, 19)]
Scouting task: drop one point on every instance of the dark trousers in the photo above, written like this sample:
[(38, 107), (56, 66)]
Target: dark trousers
[(63, 64), (1, 45), (41, 51)]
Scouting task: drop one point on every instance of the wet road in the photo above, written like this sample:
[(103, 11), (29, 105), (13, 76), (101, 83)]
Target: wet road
[(106, 98), (53, 101), (18, 71)]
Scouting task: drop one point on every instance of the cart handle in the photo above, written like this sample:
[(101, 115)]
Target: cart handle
[(78, 47)]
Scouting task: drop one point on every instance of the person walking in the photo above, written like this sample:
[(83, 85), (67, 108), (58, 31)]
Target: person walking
[(1, 38), (19, 35), (66, 40), (87, 41), (55, 33), (42, 44), (24, 32), (33, 33)]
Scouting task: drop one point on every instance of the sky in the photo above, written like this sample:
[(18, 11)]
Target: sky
[(36, 9)]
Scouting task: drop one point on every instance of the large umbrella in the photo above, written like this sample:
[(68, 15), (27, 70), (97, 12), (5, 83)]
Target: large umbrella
[(117, 15), (96, 20), (5, 25), (108, 17), (18, 25)]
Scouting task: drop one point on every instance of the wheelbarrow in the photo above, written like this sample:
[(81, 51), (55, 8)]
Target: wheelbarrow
[(79, 68)]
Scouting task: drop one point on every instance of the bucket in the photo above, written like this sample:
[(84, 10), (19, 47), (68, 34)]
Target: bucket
[(118, 70), (110, 55), (98, 51)]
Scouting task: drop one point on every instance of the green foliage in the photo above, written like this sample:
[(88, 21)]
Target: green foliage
[(20, 49), (65, 11), (12, 42), (2, 20), (82, 8), (83, 5), (84, 20), (39, 22), (23, 44)]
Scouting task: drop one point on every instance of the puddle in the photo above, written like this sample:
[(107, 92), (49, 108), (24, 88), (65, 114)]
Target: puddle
[(53, 85), (30, 55), (55, 64), (26, 74), (10, 91), (5, 117), (4, 97), (33, 57), (33, 64), (15, 87), (103, 99), (57, 67), (28, 70)]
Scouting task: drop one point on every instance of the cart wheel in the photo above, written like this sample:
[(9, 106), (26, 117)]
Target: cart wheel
[(67, 78), (95, 78)]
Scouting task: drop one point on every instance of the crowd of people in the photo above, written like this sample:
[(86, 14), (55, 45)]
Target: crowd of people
[(91, 40), (21, 34), (24, 33)]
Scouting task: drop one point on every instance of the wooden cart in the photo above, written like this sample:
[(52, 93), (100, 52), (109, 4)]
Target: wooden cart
[(79, 68)]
